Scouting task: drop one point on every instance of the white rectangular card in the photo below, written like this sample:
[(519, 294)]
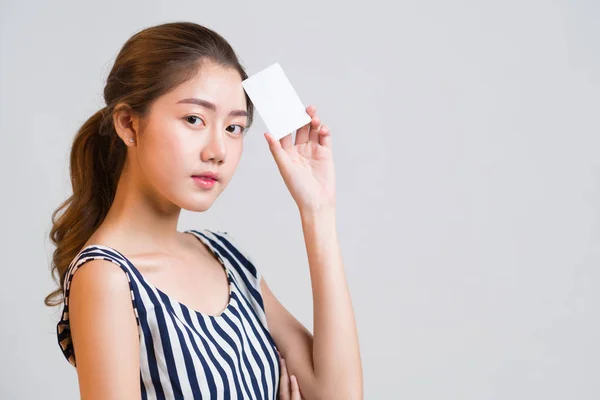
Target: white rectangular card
[(276, 101)]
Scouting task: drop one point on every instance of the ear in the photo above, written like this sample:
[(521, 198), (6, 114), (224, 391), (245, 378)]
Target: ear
[(126, 124)]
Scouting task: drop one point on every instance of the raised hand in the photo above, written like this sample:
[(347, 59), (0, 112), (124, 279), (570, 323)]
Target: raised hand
[(307, 164)]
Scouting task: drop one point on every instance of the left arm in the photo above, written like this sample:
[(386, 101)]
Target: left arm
[(327, 365)]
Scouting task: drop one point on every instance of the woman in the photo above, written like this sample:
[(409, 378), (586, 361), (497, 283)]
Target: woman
[(150, 312)]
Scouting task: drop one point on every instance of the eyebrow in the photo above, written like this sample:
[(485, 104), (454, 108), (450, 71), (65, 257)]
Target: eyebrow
[(212, 106)]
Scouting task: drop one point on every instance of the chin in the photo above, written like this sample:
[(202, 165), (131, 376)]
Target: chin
[(198, 202), (196, 206)]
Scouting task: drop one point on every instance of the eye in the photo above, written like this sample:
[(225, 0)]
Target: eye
[(192, 118), (240, 129)]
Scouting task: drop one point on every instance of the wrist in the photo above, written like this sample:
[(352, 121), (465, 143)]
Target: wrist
[(316, 215)]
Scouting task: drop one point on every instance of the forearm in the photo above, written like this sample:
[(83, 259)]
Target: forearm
[(336, 355)]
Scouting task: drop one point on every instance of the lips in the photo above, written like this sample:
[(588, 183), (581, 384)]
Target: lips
[(207, 176), (204, 182)]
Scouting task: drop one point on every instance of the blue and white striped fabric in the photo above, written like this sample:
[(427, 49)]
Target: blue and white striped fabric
[(185, 354)]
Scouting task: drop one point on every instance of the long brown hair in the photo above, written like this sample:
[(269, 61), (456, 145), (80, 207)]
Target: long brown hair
[(151, 63)]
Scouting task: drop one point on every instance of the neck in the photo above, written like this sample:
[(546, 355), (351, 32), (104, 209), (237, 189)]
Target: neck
[(140, 218)]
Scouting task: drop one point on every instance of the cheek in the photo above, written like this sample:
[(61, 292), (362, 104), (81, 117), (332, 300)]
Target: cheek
[(234, 152), (164, 157)]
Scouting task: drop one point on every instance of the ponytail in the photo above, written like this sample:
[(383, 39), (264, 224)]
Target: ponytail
[(97, 158)]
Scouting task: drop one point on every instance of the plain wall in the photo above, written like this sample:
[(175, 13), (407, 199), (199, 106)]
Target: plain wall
[(466, 141)]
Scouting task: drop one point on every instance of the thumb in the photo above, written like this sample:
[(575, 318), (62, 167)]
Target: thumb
[(276, 149)]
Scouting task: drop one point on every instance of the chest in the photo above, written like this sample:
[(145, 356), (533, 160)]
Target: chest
[(200, 283)]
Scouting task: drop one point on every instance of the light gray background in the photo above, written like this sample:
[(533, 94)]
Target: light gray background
[(466, 139)]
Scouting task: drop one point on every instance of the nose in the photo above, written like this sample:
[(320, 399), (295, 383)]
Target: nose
[(214, 148)]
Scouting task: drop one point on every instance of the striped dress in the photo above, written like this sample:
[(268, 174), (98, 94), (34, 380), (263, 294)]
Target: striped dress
[(185, 354)]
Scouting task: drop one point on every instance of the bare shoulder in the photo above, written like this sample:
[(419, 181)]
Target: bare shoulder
[(98, 274), (98, 288), (104, 331)]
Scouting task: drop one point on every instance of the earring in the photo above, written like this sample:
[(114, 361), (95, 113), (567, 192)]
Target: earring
[(131, 140)]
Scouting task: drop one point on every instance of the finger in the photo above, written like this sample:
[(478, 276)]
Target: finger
[(276, 150), (325, 136), (315, 127), (284, 382), (302, 133), (286, 141), (295, 388)]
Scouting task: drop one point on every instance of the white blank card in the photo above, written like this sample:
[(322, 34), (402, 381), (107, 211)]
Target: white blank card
[(276, 101)]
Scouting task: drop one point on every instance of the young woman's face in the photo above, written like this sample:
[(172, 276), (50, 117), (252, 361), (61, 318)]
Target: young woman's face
[(196, 128)]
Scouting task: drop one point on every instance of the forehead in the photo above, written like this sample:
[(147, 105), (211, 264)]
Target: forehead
[(214, 83)]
